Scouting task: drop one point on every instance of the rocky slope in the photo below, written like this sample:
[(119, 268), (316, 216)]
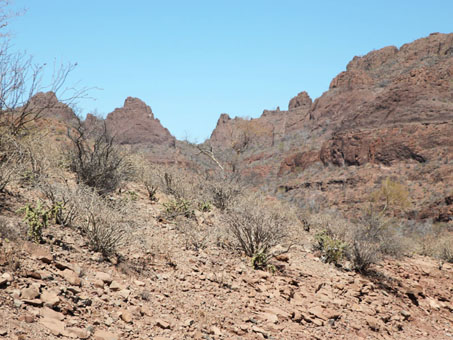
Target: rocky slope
[(161, 289)]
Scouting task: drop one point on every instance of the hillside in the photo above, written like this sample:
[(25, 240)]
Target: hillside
[(332, 219)]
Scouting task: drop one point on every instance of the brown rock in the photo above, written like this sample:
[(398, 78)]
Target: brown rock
[(28, 318), (115, 285), (162, 324), (71, 277), (75, 332), (104, 335), (134, 123), (301, 100), (50, 299), (39, 252), (126, 316), (372, 323), (51, 314), (104, 277), (56, 327), (34, 302), (29, 293)]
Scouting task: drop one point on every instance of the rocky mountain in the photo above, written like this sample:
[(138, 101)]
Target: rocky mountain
[(390, 114)]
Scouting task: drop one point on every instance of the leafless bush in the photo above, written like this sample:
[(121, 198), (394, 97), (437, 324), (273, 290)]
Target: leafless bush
[(102, 222), (97, 163), (196, 237), (223, 194), (372, 237), (65, 198), (12, 158), (256, 227)]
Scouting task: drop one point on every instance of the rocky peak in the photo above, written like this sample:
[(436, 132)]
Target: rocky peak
[(48, 105), (302, 100), (134, 123)]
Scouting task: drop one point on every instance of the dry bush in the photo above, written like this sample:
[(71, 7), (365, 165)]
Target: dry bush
[(95, 159), (223, 193), (103, 223), (196, 237), (432, 239), (364, 241), (64, 197), (12, 159), (257, 227), (181, 183), (10, 231), (391, 196), (146, 173), (178, 207)]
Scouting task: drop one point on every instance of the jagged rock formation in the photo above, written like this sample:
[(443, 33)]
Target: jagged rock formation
[(134, 123), (48, 105), (391, 86)]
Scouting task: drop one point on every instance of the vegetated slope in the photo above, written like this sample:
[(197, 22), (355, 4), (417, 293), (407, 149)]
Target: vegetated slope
[(390, 114), (161, 287)]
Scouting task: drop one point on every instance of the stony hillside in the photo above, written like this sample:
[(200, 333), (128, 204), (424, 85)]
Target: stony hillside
[(332, 219)]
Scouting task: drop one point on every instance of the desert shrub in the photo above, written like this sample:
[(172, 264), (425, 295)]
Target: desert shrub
[(223, 194), (178, 207), (95, 159), (332, 249), (9, 231), (147, 174), (256, 228), (372, 237), (196, 236), (12, 158), (63, 196), (102, 222), (391, 196), (37, 218), (445, 249), (180, 183)]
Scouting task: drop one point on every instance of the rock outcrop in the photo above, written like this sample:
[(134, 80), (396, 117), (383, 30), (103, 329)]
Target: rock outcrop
[(391, 86), (134, 123), (46, 104)]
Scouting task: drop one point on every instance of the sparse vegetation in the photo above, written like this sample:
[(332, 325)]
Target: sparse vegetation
[(98, 163), (37, 217), (103, 224), (332, 250), (178, 207), (256, 228)]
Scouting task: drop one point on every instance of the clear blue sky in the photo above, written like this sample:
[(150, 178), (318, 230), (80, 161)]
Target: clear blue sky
[(192, 60)]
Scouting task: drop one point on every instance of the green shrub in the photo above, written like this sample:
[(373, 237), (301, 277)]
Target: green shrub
[(37, 218), (178, 207), (204, 206), (332, 250)]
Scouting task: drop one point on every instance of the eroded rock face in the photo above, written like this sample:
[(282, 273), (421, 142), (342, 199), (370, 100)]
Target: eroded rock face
[(48, 105), (134, 123), (302, 100), (415, 142), (390, 86)]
